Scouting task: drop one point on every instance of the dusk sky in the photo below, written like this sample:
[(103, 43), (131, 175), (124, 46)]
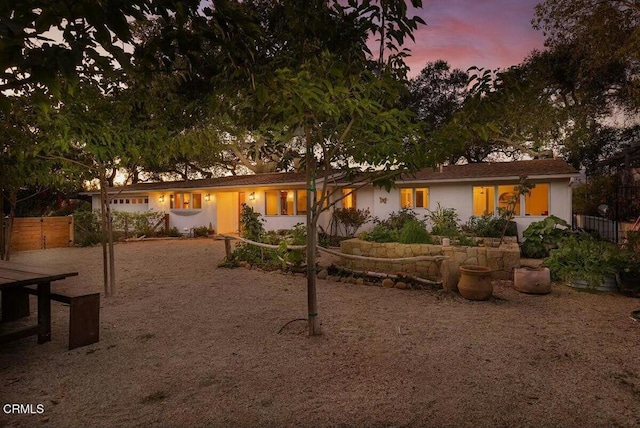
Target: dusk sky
[(486, 33)]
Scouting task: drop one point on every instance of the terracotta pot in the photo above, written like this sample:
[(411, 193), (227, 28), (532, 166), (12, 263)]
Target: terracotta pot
[(532, 280), (475, 282)]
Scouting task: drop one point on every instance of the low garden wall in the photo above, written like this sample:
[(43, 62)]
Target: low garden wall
[(502, 260)]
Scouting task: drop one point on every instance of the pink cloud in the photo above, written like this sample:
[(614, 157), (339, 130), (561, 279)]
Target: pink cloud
[(484, 33)]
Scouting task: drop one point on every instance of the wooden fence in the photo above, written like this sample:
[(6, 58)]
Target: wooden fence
[(39, 233)]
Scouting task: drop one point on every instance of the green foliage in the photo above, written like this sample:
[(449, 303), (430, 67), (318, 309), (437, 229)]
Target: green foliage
[(445, 221), (488, 226), (201, 231), (351, 219), (136, 224), (87, 228), (297, 236), (397, 220), (252, 225), (173, 232), (588, 196), (414, 232), (380, 233), (466, 241), (582, 256), (543, 236)]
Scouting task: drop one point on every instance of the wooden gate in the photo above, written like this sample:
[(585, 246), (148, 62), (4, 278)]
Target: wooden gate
[(40, 233)]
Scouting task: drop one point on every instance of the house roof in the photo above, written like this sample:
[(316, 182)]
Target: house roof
[(538, 168), (264, 179), (543, 168)]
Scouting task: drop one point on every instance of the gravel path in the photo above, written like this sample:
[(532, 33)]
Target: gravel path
[(185, 343)]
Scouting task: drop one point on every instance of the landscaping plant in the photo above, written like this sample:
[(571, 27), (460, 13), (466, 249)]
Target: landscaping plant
[(444, 221), (543, 236), (414, 232), (582, 256)]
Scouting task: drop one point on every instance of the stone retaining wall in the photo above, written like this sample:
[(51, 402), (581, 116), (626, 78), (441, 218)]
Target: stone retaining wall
[(502, 260)]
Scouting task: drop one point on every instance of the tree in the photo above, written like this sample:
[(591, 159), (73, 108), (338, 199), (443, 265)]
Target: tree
[(606, 32), (437, 93), (43, 40)]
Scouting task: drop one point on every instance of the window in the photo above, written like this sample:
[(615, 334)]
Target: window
[(414, 198), (537, 202), (349, 198), (301, 201), (483, 200), (185, 201), (507, 196), (285, 202), (271, 201), (487, 198)]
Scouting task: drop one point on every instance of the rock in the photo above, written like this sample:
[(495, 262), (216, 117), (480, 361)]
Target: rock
[(401, 285), (323, 274), (360, 281), (387, 283)]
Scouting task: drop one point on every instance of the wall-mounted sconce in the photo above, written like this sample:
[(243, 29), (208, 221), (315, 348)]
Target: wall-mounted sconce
[(207, 197), (252, 196), (161, 198)]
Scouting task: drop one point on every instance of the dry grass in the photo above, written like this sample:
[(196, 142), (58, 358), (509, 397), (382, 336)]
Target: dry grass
[(185, 343)]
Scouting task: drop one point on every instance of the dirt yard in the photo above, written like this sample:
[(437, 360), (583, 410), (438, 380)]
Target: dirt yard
[(185, 343)]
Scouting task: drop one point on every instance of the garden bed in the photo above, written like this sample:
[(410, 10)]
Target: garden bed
[(502, 259)]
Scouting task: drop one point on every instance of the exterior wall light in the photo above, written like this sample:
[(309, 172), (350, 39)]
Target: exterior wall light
[(161, 198), (252, 196), (207, 197)]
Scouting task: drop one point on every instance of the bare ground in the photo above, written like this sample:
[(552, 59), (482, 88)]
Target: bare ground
[(185, 343)]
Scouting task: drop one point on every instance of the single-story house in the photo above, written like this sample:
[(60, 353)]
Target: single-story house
[(472, 189)]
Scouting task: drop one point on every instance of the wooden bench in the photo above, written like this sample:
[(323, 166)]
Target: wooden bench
[(84, 313)]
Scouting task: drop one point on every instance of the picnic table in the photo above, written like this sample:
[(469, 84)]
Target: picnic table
[(14, 281)]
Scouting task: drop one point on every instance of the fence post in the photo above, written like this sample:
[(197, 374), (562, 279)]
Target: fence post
[(166, 223)]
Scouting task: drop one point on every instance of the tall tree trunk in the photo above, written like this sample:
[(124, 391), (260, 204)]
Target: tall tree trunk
[(312, 221), (112, 261), (103, 235)]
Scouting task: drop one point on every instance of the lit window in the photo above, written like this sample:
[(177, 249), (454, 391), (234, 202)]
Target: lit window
[(271, 201), (414, 198), (483, 200), (185, 201), (509, 198), (349, 198), (537, 202), (422, 198), (406, 198), (301, 201), (286, 202)]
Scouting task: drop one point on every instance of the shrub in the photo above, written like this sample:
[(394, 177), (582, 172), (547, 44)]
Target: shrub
[(200, 231), (87, 228), (414, 232), (396, 220), (351, 219), (581, 256), (543, 236), (445, 221), (380, 233), (173, 232), (488, 226), (136, 224)]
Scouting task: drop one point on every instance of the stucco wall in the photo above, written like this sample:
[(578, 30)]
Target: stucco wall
[(460, 196)]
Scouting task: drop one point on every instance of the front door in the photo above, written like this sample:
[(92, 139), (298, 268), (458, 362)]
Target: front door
[(227, 212)]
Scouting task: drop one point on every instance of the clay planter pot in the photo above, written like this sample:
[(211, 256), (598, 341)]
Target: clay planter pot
[(475, 282), (532, 280)]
